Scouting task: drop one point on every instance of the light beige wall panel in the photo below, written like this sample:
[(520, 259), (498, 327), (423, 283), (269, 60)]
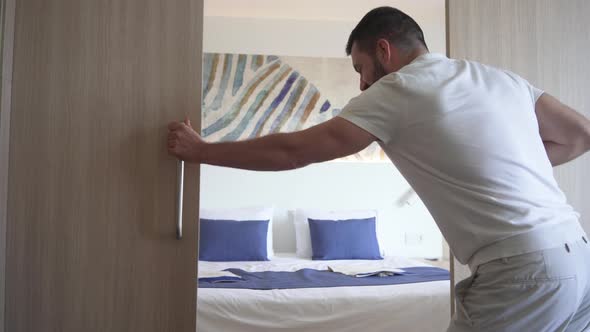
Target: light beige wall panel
[(545, 41)]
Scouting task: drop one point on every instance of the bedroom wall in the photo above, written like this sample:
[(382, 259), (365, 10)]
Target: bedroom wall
[(409, 229), (305, 27), (527, 37), (318, 29), (533, 46)]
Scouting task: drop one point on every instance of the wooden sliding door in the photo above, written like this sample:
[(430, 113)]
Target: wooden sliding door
[(90, 222)]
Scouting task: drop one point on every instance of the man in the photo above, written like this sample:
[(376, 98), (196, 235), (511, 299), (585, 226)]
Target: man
[(477, 145)]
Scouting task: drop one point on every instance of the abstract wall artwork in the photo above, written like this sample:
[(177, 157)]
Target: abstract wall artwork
[(247, 96)]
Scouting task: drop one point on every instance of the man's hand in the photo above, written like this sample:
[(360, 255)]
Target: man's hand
[(184, 142)]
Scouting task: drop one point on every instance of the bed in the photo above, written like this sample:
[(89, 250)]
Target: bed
[(420, 307)]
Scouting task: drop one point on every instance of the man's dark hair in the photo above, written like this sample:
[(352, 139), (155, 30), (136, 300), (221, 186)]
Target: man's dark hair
[(389, 23)]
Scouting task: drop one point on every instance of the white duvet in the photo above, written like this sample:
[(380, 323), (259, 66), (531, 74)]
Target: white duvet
[(420, 307)]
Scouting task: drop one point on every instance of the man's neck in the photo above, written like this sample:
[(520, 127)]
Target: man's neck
[(406, 59), (413, 55)]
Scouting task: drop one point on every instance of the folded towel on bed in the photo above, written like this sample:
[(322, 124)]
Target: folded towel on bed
[(360, 271), (218, 276)]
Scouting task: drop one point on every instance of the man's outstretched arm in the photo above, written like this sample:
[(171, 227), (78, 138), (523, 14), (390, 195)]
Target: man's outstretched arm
[(565, 132), (332, 139)]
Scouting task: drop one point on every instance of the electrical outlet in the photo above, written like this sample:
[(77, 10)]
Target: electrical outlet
[(413, 239)]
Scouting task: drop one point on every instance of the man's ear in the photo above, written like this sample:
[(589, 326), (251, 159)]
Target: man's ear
[(383, 50)]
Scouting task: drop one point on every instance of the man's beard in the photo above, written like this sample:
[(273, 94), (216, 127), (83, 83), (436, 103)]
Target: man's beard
[(378, 71)]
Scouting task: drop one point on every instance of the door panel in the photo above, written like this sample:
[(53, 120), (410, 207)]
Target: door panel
[(91, 212), (7, 35)]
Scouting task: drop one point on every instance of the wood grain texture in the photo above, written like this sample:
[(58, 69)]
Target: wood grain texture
[(545, 41), (91, 230), (7, 33)]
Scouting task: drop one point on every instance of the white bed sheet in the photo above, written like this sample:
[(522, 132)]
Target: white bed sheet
[(422, 307)]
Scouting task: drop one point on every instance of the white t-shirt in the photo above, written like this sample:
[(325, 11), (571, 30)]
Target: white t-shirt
[(466, 138)]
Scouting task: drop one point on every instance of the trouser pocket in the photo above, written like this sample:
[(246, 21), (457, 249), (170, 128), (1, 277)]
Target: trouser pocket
[(461, 290), (519, 293)]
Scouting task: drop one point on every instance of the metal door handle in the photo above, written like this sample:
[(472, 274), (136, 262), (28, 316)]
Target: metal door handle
[(179, 198)]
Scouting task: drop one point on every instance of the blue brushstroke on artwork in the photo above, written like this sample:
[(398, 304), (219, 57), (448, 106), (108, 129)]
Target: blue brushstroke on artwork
[(295, 119), (254, 65), (207, 64), (289, 105), (239, 77), (274, 103), (233, 112), (271, 58), (325, 106), (227, 66), (253, 109)]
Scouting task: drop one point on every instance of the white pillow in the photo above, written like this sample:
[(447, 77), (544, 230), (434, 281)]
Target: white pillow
[(303, 237), (244, 214)]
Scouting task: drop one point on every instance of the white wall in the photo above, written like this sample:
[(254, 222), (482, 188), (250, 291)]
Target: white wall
[(410, 230), (305, 27), (318, 29), (433, 10)]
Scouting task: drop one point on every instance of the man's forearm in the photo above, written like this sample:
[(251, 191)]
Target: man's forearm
[(275, 152), (561, 153), (329, 140)]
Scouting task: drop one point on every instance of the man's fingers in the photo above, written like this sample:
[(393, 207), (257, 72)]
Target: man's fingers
[(175, 125), (181, 138), (172, 148)]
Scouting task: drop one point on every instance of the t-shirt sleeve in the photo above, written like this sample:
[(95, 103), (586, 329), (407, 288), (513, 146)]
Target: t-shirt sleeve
[(534, 92), (376, 111)]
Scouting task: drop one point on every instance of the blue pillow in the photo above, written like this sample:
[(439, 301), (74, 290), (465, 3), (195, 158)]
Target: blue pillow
[(231, 240), (344, 239)]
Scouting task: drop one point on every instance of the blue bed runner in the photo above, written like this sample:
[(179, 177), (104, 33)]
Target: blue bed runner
[(309, 278)]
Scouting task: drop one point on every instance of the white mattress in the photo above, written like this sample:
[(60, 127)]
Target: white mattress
[(419, 307)]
